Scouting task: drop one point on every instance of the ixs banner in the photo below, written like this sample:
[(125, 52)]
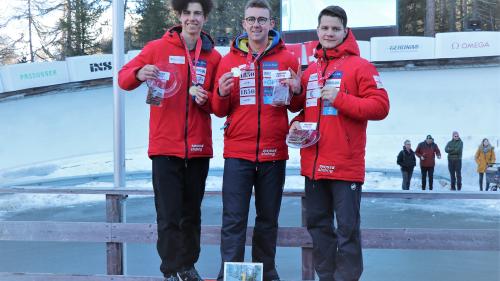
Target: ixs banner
[(467, 44), (32, 75), (90, 67), (396, 48)]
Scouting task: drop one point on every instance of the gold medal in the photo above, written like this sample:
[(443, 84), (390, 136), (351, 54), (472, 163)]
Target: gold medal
[(236, 72), (193, 90)]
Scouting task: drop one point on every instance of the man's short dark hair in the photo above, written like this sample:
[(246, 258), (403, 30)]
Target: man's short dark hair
[(334, 11), (181, 5), (258, 4)]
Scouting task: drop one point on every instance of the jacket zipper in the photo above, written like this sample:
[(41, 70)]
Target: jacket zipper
[(186, 124), (257, 76), (317, 144), (320, 107)]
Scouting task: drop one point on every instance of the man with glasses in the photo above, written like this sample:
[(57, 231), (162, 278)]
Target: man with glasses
[(180, 135), (454, 149), (254, 136)]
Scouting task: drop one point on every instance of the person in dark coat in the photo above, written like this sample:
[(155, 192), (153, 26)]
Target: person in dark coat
[(427, 151), (407, 161), (454, 149)]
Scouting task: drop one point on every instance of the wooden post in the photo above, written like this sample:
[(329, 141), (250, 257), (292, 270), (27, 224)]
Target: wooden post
[(307, 253), (114, 251)]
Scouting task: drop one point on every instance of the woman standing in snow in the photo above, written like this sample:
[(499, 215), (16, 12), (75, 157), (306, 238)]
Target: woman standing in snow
[(485, 155)]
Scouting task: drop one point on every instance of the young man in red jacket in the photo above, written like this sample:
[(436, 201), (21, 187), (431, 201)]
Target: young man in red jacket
[(180, 136), (255, 151), (343, 91)]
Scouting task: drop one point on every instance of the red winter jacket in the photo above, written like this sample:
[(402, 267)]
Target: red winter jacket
[(255, 130), (340, 152), (428, 152), (180, 127)]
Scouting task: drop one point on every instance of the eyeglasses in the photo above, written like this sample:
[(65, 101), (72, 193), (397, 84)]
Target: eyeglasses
[(455, 136), (260, 20)]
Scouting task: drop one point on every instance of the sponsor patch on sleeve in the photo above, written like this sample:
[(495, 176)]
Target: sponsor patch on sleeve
[(377, 80)]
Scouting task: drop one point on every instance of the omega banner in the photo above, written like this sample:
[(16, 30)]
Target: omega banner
[(467, 44), (32, 75), (396, 48), (89, 67)]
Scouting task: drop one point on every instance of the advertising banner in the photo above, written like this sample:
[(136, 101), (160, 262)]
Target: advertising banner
[(32, 75), (396, 48), (90, 67), (467, 44)]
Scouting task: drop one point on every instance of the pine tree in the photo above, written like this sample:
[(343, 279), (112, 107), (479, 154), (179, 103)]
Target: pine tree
[(33, 14), (80, 28), (155, 19)]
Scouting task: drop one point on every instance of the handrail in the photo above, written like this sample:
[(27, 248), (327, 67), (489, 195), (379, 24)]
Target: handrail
[(287, 192), (117, 232)]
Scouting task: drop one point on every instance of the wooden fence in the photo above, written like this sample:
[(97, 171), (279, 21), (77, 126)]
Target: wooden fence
[(114, 232)]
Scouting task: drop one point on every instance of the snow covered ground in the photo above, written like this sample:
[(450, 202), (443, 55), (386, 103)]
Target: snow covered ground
[(69, 134)]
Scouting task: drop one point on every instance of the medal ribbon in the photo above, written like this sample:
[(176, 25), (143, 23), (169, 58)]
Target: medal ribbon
[(322, 78), (192, 68), (250, 59)]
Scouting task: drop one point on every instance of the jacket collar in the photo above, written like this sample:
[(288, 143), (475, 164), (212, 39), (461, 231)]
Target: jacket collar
[(349, 47), (173, 35), (240, 44)]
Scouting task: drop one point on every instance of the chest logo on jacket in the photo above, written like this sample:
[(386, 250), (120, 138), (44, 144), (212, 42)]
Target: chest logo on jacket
[(334, 79), (177, 59)]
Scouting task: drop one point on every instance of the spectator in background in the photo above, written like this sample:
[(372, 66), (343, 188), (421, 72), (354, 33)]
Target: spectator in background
[(407, 161), (485, 156), (427, 152), (454, 149)]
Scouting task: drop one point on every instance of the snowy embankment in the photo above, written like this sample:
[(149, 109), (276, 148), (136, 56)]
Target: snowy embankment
[(70, 134)]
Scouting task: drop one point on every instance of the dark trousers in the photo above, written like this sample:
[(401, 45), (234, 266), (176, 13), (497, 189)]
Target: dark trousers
[(481, 176), (240, 176), (337, 251), (179, 186), (406, 174), (455, 168), (425, 171)]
